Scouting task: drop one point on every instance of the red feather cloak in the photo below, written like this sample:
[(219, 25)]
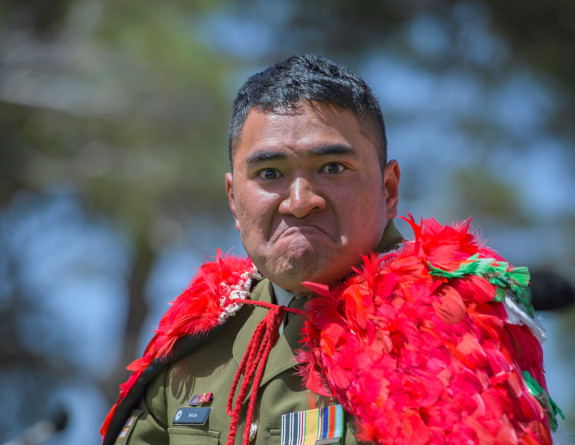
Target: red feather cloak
[(433, 343)]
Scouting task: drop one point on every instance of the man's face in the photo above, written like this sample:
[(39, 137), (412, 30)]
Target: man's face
[(308, 193)]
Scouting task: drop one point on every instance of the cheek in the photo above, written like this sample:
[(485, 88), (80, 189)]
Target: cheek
[(242, 209), (365, 215), (252, 214), (245, 200), (364, 197)]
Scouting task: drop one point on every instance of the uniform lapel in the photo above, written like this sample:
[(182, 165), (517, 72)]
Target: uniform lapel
[(282, 356)]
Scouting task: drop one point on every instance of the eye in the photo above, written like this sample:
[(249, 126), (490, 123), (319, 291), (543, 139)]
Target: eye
[(269, 173), (333, 168)]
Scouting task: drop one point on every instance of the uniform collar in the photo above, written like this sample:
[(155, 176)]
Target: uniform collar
[(391, 238)]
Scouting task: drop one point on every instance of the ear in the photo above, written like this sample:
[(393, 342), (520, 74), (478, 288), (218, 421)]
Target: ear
[(391, 175), (230, 192)]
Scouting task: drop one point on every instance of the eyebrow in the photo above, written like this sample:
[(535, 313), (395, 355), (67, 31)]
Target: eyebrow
[(322, 150)]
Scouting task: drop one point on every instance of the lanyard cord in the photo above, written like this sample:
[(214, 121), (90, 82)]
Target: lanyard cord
[(254, 363)]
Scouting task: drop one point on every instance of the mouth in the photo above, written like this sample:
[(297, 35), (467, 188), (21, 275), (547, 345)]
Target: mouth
[(304, 229)]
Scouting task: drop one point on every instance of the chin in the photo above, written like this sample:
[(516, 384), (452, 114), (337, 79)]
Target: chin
[(292, 268), (290, 275), (291, 279)]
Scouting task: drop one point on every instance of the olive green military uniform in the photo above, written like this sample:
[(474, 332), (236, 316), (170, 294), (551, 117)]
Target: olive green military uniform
[(212, 368)]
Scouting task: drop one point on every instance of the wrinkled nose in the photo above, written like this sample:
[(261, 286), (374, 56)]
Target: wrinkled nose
[(301, 199)]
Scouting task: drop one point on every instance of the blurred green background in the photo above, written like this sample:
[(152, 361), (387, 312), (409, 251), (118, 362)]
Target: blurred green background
[(113, 149)]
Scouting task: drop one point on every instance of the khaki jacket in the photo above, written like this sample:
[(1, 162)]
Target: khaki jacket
[(212, 367)]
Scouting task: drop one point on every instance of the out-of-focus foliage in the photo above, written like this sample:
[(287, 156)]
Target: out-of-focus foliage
[(113, 127), (119, 107)]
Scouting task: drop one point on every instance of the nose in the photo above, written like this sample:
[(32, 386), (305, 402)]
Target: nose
[(301, 199)]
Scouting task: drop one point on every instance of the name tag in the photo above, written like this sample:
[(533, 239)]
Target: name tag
[(191, 416)]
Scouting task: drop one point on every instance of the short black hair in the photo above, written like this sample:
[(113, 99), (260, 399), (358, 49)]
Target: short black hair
[(284, 86)]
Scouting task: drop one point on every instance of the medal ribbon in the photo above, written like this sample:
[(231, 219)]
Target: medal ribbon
[(313, 426)]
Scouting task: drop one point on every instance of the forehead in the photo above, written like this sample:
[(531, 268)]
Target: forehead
[(309, 125)]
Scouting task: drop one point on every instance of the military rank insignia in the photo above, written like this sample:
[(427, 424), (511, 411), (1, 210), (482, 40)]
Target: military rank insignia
[(322, 426), (127, 428)]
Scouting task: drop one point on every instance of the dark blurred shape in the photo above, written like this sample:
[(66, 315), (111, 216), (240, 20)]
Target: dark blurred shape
[(42, 430), (550, 291), (60, 419), (43, 19)]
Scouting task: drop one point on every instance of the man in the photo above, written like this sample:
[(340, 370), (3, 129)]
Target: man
[(311, 192)]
